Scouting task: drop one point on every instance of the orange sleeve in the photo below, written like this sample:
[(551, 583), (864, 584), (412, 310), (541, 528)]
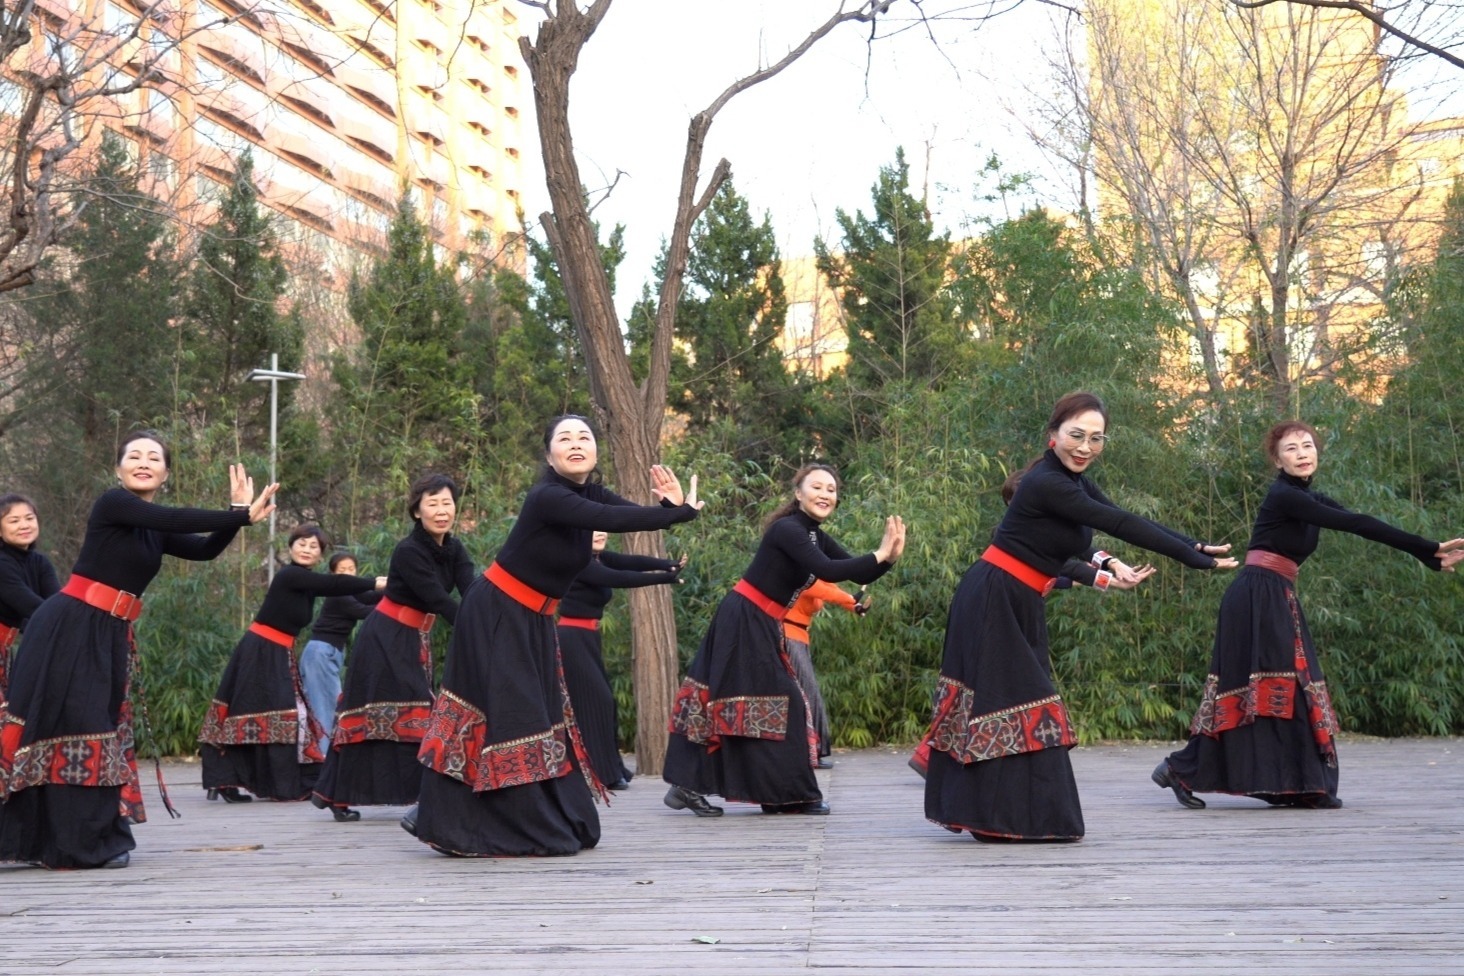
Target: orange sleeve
[(831, 593)]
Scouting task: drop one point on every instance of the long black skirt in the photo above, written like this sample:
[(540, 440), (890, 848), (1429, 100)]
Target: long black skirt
[(384, 710), (999, 763), (1256, 730), (68, 777), (506, 772), (593, 699), (740, 727), (259, 734)]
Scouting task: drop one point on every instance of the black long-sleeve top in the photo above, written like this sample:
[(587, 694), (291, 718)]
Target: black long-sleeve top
[(794, 552), (26, 579), (1292, 516), (339, 615), (1054, 512), (611, 571), (290, 601), (423, 574), (126, 538), (550, 541)]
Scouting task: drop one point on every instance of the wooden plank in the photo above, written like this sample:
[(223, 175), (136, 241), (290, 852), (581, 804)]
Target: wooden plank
[(1372, 889)]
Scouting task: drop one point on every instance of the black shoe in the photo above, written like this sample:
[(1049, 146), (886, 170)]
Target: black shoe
[(824, 762), (814, 808), (1317, 801), (230, 794), (409, 821), (345, 814), (1165, 777), (915, 765), (679, 798), (318, 802), (620, 784), (120, 861)]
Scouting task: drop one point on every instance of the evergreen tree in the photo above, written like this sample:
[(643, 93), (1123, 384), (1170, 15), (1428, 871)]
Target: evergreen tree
[(234, 323), (406, 400), (729, 320), (891, 273), (104, 342)]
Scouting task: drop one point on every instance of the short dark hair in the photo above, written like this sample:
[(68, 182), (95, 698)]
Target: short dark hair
[(429, 484), (1274, 435), (12, 499), (309, 530), (337, 558), (147, 434)]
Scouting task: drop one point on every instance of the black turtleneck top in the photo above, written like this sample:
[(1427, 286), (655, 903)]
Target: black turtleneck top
[(290, 601), (794, 552), (423, 574), (339, 615), (550, 541), (126, 538), (1054, 512), (610, 571), (1292, 516), (26, 579)]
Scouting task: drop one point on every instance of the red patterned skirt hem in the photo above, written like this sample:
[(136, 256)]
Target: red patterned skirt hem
[(456, 745)]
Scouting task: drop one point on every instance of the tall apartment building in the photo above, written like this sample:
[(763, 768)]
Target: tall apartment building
[(344, 104)]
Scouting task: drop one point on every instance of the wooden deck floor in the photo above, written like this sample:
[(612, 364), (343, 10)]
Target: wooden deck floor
[(1376, 888)]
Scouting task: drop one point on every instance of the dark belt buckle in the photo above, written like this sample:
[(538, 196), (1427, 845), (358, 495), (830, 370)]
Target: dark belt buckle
[(548, 605), (428, 619), (124, 604)]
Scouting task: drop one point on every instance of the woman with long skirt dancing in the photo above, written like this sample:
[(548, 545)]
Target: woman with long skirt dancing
[(1265, 727), (387, 699), (580, 613), (999, 762), (324, 654), (27, 577), (259, 734), (68, 774), (507, 775), (740, 726), (795, 631)]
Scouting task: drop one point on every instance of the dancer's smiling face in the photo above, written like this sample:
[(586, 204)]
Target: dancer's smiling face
[(1080, 439), (143, 467), (573, 453), (817, 494)]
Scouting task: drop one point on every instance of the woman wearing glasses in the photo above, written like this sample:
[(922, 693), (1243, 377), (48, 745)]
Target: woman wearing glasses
[(999, 765)]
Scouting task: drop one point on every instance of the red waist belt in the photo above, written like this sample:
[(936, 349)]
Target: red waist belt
[(1036, 579), (583, 623), (119, 603), (8, 635), (1273, 562), (520, 591), (407, 616), (764, 603), (270, 634)]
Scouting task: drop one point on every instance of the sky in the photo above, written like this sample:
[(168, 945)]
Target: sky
[(809, 140)]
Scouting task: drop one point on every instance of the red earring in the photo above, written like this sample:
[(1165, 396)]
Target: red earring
[(1052, 442)]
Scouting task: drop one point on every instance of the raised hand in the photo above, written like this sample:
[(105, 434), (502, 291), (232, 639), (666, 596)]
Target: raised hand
[(1132, 578), (260, 508), (892, 546), (665, 486), (1451, 546), (241, 486), (1448, 559)]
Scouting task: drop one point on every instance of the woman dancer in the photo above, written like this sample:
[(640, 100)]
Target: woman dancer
[(584, 661), (795, 632), (999, 762), (507, 773), (387, 699), (740, 726), (259, 734), (1265, 727), (27, 577), (324, 654), (68, 776)]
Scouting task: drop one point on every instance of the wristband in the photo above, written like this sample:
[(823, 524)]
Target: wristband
[(1101, 580), (239, 506), (1100, 560)]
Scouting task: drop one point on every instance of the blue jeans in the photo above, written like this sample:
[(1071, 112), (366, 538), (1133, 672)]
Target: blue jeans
[(320, 674)]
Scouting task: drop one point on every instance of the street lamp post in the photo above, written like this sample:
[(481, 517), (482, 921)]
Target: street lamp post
[(273, 376)]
